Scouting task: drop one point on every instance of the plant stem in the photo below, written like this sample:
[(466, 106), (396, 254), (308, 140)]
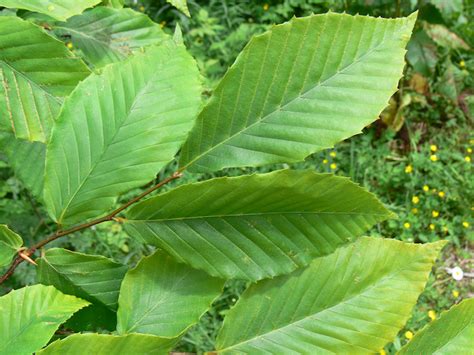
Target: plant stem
[(61, 233)]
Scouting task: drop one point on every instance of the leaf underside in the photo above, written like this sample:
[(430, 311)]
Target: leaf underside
[(297, 89), (164, 298), (107, 35), (148, 102), (256, 226), (10, 242), (352, 301)]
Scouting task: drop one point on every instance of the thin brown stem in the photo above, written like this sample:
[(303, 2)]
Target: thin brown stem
[(61, 233)]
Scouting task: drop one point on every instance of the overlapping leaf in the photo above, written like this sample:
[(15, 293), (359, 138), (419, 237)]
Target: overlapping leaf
[(136, 344), (181, 5), (118, 129), (256, 226), (30, 316), (36, 71), (299, 88), (452, 333), (59, 9), (106, 35), (164, 298), (10, 242), (352, 301)]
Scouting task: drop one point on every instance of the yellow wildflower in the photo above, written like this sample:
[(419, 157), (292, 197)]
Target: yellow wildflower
[(333, 166), (415, 199), (414, 210), (432, 226), (333, 154), (432, 314), (462, 64), (467, 158), (426, 188), (266, 7), (69, 45), (162, 24), (408, 335), (441, 194), (435, 214), (469, 150), (406, 225), (325, 161), (382, 352), (455, 293), (141, 8), (433, 157), (465, 224), (433, 148), (408, 169)]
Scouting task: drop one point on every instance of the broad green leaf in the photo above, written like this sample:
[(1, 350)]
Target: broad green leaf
[(58, 9), (452, 333), (256, 226), (27, 161), (107, 35), (118, 129), (10, 242), (181, 5), (299, 88), (353, 301), (136, 344), (164, 298), (118, 4), (36, 71), (30, 316), (94, 278)]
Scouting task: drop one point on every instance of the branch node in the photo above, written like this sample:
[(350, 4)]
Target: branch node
[(26, 257)]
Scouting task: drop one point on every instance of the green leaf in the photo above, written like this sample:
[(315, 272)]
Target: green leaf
[(94, 278), (164, 298), (117, 4), (27, 161), (299, 88), (181, 5), (36, 70), (58, 9), (352, 301), (10, 242), (422, 53), (30, 316), (136, 344), (107, 35), (452, 333), (148, 102), (256, 226)]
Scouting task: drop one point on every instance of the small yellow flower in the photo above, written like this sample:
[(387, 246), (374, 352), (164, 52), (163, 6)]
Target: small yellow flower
[(333, 154), (333, 166), (408, 169), (406, 225), (426, 188), (435, 214), (162, 24), (433, 157), (325, 161), (408, 335), (141, 8), (432, 226), (266, 7), (433, 148), (469, 150), (441, 194), (467, 158), (462, 64), (382, 352), (414, 210), (432, 314), (455, 293), (415, 199), (465, 224), (69, 45)]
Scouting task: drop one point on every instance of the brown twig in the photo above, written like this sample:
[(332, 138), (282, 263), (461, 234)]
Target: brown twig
[(25, 254)]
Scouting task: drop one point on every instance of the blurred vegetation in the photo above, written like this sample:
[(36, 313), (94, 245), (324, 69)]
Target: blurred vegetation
[(416, 158)]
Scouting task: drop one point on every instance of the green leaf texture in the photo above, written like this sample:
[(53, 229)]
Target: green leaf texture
[(118, 129), (452, 333), (94, 278), (256, 226), (353, 301), (30, 316), (299, 88), (136, 344), (36, 70), (181, 5), (164, 298), (106, 35), (10, 242), (58, 9)]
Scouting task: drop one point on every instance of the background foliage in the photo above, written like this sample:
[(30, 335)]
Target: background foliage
[(416, 158)]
